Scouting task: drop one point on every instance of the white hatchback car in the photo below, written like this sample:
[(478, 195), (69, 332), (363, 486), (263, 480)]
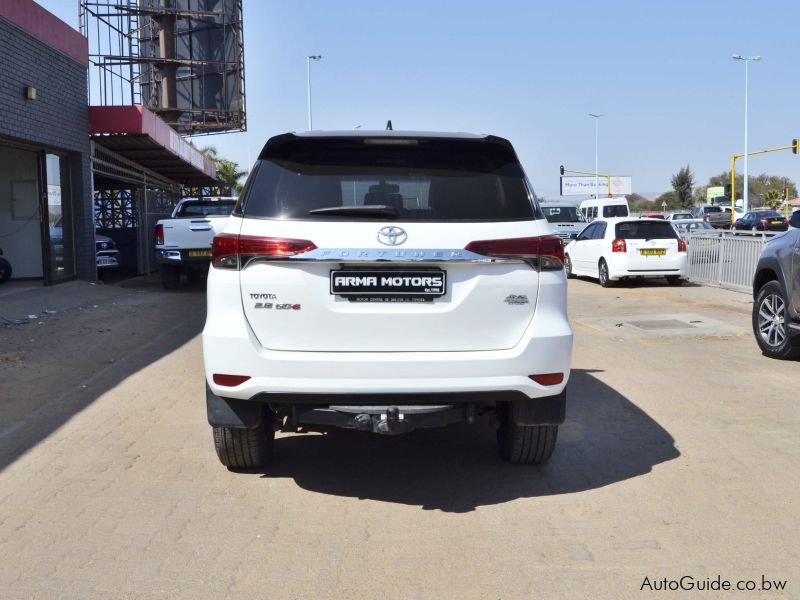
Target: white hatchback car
[(385, 282), (614, 249)]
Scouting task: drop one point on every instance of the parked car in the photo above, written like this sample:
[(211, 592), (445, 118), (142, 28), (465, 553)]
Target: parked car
[(653, 215), (384, 282), (679, 216), (183, 242), (687, 227), (565, 218), (702, 248), (761, 220), (613, 249), (713, 215), (107, 257), (776, 294)]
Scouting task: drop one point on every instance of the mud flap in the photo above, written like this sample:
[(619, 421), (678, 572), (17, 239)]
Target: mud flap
[(550, 410), (230, 412)]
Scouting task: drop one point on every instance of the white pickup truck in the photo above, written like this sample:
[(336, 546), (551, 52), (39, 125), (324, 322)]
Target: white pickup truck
[(183, 242)]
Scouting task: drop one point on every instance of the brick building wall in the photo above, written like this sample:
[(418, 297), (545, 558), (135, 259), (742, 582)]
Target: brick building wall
[(57, 120)]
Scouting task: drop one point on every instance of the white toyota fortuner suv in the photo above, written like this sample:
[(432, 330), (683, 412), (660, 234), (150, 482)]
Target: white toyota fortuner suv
[(385, 282)]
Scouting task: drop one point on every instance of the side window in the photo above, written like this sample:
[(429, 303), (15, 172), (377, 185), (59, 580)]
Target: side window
[(599, 232), (587, 233), (594, 212)]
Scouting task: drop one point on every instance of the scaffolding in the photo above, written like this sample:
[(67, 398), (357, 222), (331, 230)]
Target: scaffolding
[(182, 59)]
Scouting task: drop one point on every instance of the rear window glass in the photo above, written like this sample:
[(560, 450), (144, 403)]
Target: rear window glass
[(768, 214), (415, 179), (644, 230), (202, 209), (709, 209), (615, 210), (563, 214)]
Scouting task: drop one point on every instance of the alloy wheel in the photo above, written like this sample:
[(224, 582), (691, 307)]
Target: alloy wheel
[(771, 324)]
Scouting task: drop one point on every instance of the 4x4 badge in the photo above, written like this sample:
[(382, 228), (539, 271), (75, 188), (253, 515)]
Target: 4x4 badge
[(392, 236), (514, 299)]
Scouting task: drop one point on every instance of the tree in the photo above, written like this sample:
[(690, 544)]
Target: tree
[(773, 199), (682, 183), (758, 186), (671, 199), (210, 152), (638, 203), (228, 174)]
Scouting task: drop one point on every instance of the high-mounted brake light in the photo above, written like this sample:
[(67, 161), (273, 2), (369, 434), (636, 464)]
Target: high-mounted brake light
[(681, 245), (619, 245), (544, 253), (227, 248), (159, 235)]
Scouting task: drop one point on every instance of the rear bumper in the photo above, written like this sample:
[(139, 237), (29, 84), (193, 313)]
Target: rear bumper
[(380, 413), (622, 266), (230, 347)]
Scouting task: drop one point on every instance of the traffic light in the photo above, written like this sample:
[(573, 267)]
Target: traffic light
[(794, 146), (562, 166)]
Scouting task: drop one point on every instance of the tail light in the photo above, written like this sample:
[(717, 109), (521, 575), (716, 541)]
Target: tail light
[(159, 235), (543, 253), (681, 245), (619, 245), (763, 221), (231, 251), (707, 217)]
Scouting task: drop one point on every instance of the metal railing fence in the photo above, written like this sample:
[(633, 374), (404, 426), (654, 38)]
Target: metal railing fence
[(724, 259)]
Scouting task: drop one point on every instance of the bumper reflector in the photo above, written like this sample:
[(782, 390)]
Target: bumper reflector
[(548, 378), (230, 380)]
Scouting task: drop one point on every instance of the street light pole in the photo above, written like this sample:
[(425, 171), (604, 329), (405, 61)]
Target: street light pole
[(308, 70), (745, 204), (596, 161)]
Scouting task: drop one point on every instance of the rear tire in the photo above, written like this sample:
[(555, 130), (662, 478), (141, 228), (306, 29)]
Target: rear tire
[(524, 444), (5, 270), (170, 277), (674, 280), (244, 448), (771, 323), (602, 274), (568, 266)]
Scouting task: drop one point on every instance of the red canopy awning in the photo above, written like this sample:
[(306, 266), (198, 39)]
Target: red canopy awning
[(142, 137)]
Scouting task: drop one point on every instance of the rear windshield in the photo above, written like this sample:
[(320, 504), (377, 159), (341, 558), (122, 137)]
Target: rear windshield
[(615, 210), (415, 179), (645, 230), (563, 214), (709, 209), (201, 208), (768, 214)]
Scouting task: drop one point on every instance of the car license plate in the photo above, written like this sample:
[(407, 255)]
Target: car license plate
[(652, 251), (199, 252), (777, 222), (389, 285), (106, 261)]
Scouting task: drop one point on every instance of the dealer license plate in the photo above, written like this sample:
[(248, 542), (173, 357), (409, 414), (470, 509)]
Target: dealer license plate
[(652, 251), (389, 285), (199, 252)]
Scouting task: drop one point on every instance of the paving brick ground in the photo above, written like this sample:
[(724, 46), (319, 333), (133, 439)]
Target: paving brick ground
[(680, 457)]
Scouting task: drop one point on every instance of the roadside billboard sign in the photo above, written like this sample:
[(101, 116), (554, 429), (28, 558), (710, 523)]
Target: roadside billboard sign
[(583, 185)]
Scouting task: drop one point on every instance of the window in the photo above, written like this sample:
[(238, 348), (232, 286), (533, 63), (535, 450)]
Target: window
[(418, 179), (615, 210), (645, 230), (202, 208), (587, 233), (599, 232), (563, 214)]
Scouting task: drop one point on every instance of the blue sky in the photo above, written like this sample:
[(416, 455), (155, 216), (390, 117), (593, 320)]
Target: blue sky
[(661, 71)]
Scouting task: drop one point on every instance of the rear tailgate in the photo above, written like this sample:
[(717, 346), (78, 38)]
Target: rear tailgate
[(650, 245), (192, 233), (303, 305)]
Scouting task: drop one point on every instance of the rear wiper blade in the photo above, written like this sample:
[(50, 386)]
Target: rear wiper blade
[(371, 210)]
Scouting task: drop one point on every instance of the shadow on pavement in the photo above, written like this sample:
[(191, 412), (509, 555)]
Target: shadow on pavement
[(606, 439), (83, 351)]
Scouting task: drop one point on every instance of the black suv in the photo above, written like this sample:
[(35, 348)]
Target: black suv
[(776, 290)]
